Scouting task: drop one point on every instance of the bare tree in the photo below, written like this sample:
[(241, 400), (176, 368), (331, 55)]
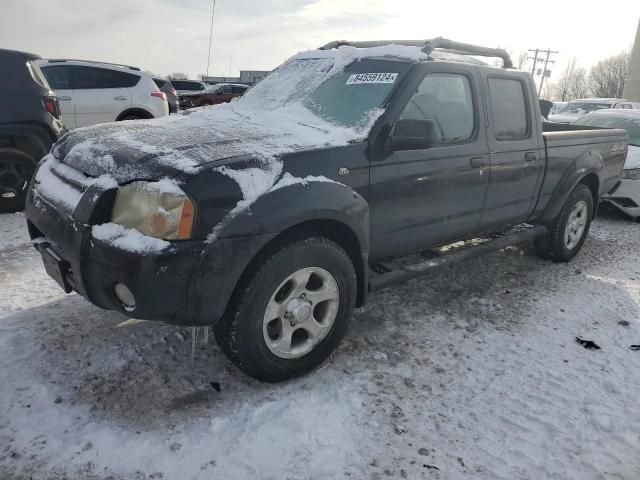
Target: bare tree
[(606, 78), (573, 82), (178, 76)]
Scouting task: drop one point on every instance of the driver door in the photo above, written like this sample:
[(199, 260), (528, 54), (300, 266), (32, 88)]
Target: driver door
[(423, 197)]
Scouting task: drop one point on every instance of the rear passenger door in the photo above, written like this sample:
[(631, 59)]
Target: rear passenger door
[(60, 78), (101, 94), (427, 196), (516, 156)]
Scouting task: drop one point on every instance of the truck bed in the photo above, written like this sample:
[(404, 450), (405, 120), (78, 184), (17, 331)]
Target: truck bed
[(564, 144)]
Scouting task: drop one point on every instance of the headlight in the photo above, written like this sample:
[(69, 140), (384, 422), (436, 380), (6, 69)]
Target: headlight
[(631, 174), (158, 209)]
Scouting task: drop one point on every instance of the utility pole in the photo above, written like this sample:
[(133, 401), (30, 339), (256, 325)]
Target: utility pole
[(538, 58), (213, 11)]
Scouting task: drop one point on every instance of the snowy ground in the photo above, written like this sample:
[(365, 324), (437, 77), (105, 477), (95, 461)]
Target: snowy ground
[(472, 373)]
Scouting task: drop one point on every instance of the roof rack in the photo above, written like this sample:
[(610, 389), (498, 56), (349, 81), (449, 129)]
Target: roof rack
[(428, 46), (62, 60)]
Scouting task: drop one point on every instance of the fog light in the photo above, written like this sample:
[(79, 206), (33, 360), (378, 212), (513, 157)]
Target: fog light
[(125, 296)]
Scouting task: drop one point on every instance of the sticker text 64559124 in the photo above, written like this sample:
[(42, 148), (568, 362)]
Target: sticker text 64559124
[(372, 78)]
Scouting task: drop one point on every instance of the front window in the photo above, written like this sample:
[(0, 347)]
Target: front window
[(628, 123), (446, 100), (343, 96)]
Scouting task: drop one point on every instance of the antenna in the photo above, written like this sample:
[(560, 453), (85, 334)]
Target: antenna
[(213, 11)]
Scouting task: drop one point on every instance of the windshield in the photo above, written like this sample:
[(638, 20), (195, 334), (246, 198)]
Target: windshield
[(630, 124), (213, 88), (341, 95), (586, 107)]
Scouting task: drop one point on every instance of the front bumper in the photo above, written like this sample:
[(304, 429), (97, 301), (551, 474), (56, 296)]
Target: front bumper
[(187, 283), (625, 197)]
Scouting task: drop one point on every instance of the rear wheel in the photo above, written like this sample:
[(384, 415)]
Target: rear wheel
[(568, 231), (16, 170), (289, 314)]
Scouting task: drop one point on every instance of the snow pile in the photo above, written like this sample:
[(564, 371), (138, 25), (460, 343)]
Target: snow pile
[(128, 239), (49, 184)]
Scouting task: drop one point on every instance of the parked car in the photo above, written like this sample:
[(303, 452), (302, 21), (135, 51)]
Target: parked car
[(272, 219), (577, 108), (626, 195), (172, 96), (213, 95), (98, 92), (557, 106), (188, 86), (29, 124)]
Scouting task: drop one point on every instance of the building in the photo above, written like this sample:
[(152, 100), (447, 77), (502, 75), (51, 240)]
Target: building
[(248, 77), (632, 82)]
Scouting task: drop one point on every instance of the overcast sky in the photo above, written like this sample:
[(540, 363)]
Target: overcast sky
[(165, 36)]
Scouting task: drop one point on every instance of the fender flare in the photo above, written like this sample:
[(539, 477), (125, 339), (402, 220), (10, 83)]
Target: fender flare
[(588, 163), (252, 228)]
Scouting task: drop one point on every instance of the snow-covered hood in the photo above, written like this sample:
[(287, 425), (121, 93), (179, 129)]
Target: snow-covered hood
[(633, 158), (153, 150), (160, 148)]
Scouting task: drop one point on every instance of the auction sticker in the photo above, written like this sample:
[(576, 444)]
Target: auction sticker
[(372, 78)]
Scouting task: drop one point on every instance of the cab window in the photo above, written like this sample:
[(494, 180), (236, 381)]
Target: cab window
[(446, 99)]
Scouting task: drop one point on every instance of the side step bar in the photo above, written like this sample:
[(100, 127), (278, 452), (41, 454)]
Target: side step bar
[(409, 272)]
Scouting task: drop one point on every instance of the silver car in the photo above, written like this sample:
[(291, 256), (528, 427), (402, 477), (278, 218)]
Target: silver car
[(626, 196)]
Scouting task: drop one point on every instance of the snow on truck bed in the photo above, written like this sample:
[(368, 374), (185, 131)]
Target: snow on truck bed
[(473, 373)]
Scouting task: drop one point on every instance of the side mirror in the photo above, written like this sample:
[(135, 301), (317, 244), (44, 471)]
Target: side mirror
[(411, 135)]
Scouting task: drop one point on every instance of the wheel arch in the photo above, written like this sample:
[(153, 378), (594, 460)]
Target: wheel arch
[(334, 230), (586, 169), (134, 111)]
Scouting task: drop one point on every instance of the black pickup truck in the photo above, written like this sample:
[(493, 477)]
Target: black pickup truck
[(272, 217)]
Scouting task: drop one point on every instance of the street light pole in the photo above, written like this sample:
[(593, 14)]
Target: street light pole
[(213, 11)]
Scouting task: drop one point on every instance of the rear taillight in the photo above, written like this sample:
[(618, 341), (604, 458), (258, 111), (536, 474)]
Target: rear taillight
[(159, 95), (173, 92), (51, 105)]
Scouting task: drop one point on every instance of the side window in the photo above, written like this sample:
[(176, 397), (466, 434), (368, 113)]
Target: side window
[(446, 100), (98, 78), (58, 76), (226, 89), (509, 107), (238, 90)]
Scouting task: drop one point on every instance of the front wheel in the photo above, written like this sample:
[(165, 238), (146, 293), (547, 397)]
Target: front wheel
[(290, 311), (568, 231)]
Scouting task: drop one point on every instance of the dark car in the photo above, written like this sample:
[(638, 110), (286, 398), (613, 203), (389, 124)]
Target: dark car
[(188, 87), (29, 124), (171, 93), (213, 95), (273, 219)]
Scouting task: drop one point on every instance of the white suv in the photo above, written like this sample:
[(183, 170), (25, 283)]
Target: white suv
[(96, 92)]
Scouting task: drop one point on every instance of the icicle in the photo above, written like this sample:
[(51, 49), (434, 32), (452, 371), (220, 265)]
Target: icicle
[(194, 341), (206, 334)]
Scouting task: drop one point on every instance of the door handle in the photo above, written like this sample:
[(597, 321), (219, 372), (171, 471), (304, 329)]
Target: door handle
[(120, 98), (64, 99), (477, 162), (530, 156)]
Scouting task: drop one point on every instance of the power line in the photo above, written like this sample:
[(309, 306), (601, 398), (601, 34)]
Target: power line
[(213, 11)]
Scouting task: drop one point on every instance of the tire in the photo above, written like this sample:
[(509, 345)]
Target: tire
[(256, 344), (133, 116), (16, 170), (575, 217)]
